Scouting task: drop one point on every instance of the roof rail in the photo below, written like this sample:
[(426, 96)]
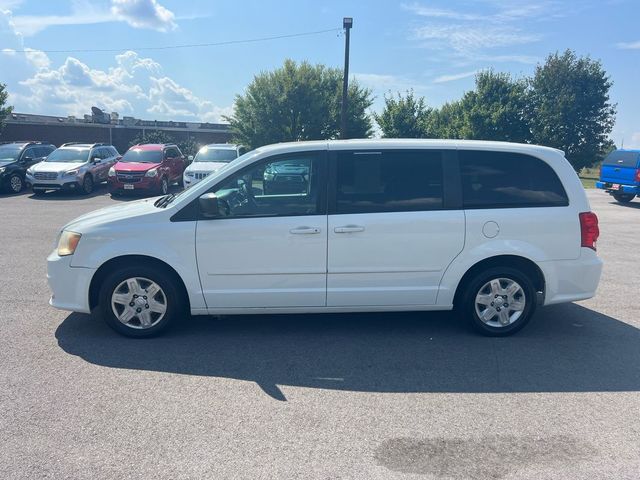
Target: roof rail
[(41, 142), (71, 143)]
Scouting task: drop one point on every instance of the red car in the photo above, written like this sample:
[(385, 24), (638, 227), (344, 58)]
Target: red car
[(147, 168)]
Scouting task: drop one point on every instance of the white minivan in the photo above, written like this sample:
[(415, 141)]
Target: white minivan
[(491, 229)]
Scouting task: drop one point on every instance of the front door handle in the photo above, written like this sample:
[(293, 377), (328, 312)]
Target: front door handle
[(349, 229), (304, 230)]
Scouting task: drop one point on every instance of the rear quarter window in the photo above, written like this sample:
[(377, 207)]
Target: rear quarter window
[(508, 180)]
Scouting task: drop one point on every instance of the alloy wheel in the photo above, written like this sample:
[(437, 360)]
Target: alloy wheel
[(15, 183)]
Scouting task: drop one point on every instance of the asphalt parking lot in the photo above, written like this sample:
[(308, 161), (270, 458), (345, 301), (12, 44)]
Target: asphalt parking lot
[(362, 396)]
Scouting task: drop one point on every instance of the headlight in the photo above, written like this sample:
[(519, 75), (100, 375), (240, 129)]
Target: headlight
[(112, 172), (72, 172), (151, 173), (68, 243), (29, 171), (2, 169)]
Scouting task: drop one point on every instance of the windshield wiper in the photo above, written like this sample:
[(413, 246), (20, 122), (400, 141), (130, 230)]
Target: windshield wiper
[(164, 201)]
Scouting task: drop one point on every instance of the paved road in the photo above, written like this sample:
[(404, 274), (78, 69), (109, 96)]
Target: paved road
[(345, 396)]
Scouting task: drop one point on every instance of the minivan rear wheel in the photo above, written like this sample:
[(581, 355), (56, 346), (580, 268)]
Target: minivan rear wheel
[(623, 197), (499, 301), (140, 301)]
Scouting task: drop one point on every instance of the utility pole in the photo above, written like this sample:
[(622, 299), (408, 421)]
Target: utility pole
[(347, 23)]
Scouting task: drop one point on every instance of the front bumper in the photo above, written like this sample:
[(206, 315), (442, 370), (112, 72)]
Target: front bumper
[(69, 285), (59, 183), (144, 183), (572, 280), (608, 186)]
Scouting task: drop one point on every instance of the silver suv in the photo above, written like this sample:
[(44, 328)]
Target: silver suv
[(73, 167)]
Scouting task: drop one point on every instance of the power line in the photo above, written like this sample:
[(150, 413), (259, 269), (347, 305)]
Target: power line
[(190, 45)]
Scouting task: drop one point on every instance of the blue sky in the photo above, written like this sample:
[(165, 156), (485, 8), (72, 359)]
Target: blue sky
[(433, 47)]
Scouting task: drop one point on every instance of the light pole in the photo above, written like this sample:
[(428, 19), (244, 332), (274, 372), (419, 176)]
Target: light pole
[(347, 23)]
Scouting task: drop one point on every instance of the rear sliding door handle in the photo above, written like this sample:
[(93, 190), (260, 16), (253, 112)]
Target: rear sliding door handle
[(349, 229), (304, 230)]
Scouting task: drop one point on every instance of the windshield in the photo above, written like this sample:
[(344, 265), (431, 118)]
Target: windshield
[(223, 155), (142, 156), (69, 155), (9, 154)]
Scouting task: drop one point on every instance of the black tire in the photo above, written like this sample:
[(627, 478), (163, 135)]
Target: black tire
[(15, 183), (475, 287), (164, 186), (171, 292), (87, 185), (623, 197)]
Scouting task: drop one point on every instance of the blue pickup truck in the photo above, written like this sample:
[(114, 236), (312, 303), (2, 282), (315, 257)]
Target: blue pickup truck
[(620, 175)]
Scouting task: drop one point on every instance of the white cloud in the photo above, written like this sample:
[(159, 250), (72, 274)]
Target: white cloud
[(629, 45), (144, 14), (132, 85), (454, 77), (383, 83), (468, 41), (147, 14), (635, 141)]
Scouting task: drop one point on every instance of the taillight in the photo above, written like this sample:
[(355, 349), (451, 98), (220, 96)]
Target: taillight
[(637, 177), (589, 230)]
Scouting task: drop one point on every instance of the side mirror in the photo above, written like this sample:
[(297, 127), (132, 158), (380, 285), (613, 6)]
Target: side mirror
[(209, 205), (190, 158), (95, 160), (26, 159)]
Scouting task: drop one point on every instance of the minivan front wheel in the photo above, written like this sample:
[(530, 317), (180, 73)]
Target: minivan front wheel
[(500, 301), (139, 301)]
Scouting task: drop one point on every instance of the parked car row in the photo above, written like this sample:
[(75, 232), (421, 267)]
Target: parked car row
[(79, 167)]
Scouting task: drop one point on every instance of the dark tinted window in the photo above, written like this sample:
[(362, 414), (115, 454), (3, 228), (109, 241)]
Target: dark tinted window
[(622, 158), (501, 180), (389, 181), (285, 186)]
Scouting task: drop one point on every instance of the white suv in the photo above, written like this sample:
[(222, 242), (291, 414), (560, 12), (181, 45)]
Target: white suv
[(209, 159), (491, 229)]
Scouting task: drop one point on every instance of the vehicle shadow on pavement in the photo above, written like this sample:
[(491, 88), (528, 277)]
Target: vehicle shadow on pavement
[(633, 204), (567, 348)]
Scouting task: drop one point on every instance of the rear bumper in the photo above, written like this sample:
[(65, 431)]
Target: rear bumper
[(572, 280), (69, 285), (607, 186)]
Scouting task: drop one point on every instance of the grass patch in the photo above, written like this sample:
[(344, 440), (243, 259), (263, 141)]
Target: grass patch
[(589, 177)]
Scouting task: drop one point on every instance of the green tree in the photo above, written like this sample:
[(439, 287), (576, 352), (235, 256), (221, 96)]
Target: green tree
[(187, 146), (448, 121), (298, 102), (570, 108), (403, 117), (496, 109), (5, 110)]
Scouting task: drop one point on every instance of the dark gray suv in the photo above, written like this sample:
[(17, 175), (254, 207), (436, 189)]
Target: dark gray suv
[(16, 158)]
